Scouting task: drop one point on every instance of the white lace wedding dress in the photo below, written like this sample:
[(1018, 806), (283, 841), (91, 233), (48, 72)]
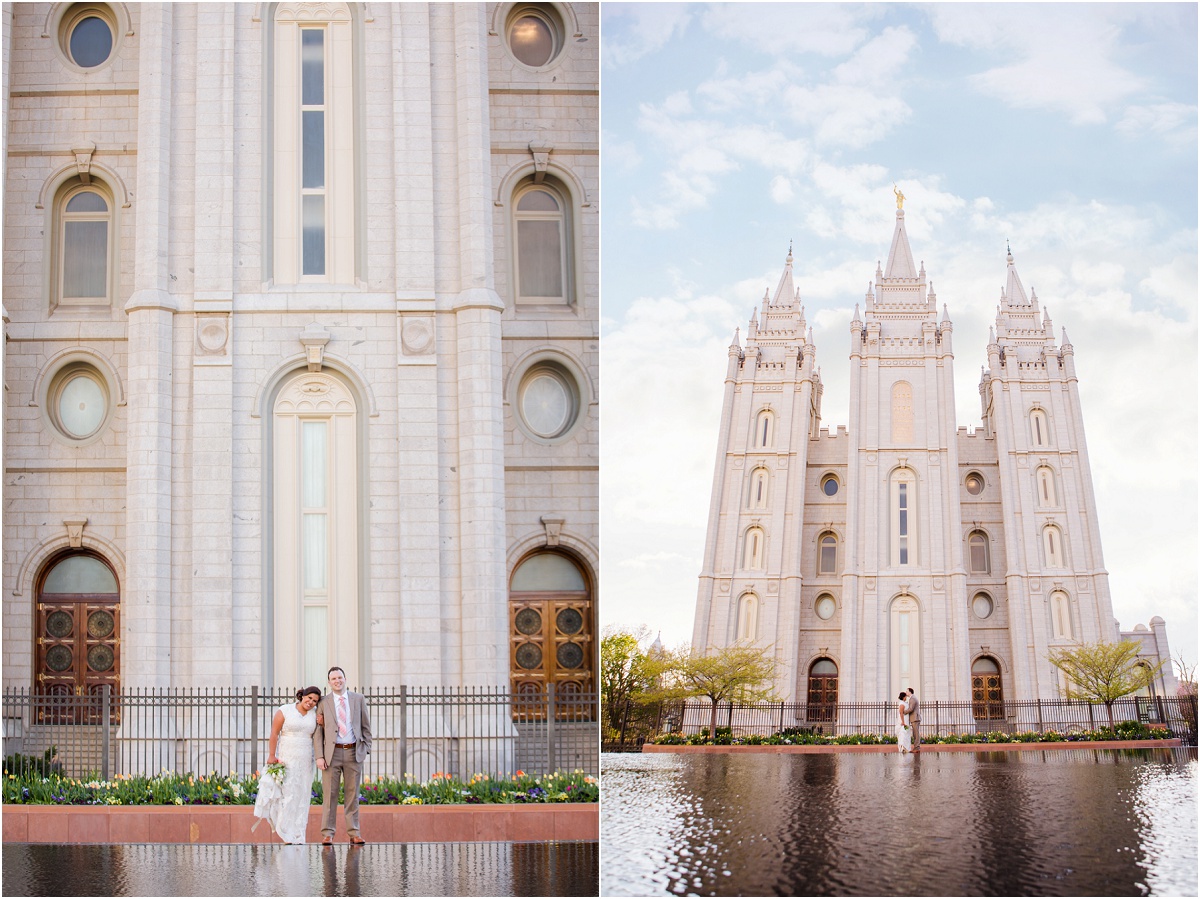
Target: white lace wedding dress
[(904, 735), (287, 809)]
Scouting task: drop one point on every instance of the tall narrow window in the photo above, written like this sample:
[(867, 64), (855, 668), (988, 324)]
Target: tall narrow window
[(905, 626), (758, 489), (827, 560), (903, 518), (977, 546), (1060, 615), (764, 429), (315, 528), (542, 237), (313, 173), (1052, 540), (1039, 428), (753, 554), (1047, 496), (902, 412), (747, 619), (82, 238)]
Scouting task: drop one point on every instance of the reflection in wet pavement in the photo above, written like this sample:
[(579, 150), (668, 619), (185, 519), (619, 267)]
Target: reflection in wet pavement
[(377, 869), (1060, 822)]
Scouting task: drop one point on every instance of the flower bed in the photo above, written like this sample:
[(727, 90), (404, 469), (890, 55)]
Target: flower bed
[(1125, 731), (166, 788)]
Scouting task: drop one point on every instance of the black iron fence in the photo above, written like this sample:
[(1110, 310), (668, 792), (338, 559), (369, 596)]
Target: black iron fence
[(1040, 715), (416, 730)]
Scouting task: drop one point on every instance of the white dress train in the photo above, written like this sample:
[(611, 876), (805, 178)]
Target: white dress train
[(287, 810)]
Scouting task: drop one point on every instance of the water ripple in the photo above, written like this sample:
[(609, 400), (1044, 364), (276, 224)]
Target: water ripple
[(1063, 822)]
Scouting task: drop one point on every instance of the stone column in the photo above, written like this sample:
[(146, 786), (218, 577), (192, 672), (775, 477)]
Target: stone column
[(147, 599), (213, 620), (477, 308)]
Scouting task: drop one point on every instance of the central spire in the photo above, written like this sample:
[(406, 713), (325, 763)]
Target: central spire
[(900, 260)]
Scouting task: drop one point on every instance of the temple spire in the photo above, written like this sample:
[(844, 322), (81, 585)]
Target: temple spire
[(786, 292), (900, 259), (1014, 291)]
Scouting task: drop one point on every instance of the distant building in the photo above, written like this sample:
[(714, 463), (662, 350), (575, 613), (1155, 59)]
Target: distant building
[(904, 551), (301, 319)]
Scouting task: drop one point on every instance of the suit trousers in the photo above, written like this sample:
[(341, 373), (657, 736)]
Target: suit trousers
[(916, 733), (343, 767)]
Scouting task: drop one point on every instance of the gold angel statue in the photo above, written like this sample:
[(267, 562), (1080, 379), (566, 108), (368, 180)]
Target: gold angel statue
[(899, 196)]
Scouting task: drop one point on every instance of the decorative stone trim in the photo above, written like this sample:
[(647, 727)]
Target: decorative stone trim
[(231, 824)]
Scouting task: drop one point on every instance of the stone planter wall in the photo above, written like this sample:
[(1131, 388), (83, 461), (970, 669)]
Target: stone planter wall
[(232, 823)]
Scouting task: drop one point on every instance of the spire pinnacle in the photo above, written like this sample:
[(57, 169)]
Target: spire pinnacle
[(900, 261)]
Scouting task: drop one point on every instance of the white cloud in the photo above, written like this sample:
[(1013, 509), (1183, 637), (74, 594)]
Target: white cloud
[(1061, 58), (782, 191), (1174, 121), (634, 30), (779, 29)]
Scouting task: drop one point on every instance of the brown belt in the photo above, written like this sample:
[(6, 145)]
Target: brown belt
[(345, 745)]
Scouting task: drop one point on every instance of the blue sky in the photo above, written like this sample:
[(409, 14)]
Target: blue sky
[(732, 130)]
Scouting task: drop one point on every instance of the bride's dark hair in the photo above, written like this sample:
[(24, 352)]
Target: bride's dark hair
[(300, 694), (902, 694)]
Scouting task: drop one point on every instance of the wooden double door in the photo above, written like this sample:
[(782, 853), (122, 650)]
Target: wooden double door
[(78, 642)]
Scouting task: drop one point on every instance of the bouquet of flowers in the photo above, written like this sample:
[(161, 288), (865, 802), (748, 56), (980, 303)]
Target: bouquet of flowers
[(277, 771)]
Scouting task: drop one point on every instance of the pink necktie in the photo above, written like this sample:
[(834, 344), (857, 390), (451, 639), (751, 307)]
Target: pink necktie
[(343, 720)]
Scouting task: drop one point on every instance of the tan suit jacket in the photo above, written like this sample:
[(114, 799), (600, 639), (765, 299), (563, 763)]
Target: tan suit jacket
[(325, 738), (913, 707)]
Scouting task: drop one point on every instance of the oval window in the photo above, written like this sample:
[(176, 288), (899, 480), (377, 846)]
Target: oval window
[(974, 484), (534, 34), (87, 34), (982, 606), (825, 607), (77, 401), (829, 485)]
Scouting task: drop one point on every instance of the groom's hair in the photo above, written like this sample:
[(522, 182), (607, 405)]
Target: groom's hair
[(910, 689), (333, 669)]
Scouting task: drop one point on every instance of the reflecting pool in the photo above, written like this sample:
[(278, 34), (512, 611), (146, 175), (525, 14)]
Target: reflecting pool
[(377, 869), (1056, 822)]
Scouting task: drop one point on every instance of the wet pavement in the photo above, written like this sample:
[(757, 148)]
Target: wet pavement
[(377, 869)]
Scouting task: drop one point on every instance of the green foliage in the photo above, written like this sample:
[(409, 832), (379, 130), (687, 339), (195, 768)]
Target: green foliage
[(737, 673), (168, 788), (1104, 672), (28, 764), (626, 683)]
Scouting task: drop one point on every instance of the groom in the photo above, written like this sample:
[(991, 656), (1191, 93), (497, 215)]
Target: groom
[(341, 745), (912, 710)]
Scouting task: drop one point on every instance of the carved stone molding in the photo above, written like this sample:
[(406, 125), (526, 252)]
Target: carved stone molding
[(313, 338), (553, 528), (541, 161), (75, 531), (417, 335), (212, 334)]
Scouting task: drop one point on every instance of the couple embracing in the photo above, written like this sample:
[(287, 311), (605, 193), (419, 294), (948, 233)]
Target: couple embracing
[(335, 729), (908, 731)]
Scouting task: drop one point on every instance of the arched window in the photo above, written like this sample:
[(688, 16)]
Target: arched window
[(82, 268), (78, 645), (759, 482), (315, 491), (752, 556), (977, 550), (903, 517), (822, 690), (747, 617), (764, 429), (1052, 543), (1047, 495), (827, 554), (551, 627), (1039, 428), (987, 692), (542, 263), (314, 224), (1060, 616), (902, 412), (905, 627)]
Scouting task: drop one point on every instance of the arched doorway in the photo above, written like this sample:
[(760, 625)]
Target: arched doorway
[(822, 690), (987, 691), (550, 630), (77, 649)]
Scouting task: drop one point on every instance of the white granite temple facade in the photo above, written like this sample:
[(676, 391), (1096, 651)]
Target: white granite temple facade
[(905, 551), (301, 320)]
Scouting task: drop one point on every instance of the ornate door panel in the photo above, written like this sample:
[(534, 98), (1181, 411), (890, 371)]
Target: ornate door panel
[(822, 697), (987, 697), (78, 642), (550, 641)]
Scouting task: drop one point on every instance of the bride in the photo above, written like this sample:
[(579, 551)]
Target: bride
[(291, 743), (903, 731)]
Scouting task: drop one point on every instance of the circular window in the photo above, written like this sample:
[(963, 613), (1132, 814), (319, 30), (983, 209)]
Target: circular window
[(88, 34), (534, 34), (59, 624), (528, 621), (829, 485), (77, 401), (529, 656), (59, 658), (570, 621), (100, 658), (100, 624), (982, 606), (825, 607), (569, 655), (547, 400), (974, 484)]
